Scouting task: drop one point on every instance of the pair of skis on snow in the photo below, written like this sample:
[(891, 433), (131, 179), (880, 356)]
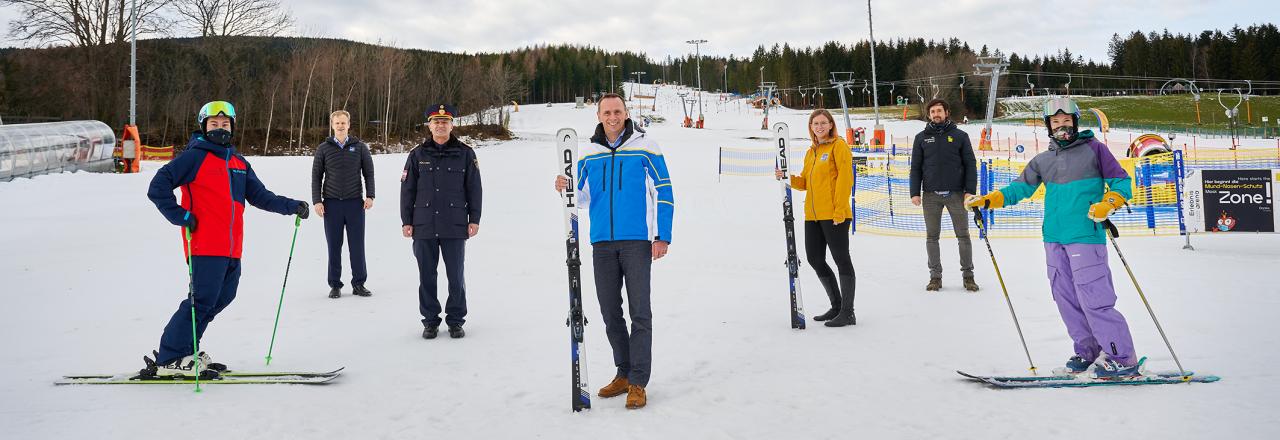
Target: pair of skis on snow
[(1085, 380), (226, 377)]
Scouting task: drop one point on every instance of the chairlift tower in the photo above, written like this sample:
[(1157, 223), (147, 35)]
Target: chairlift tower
[(697, 49), (843, 80), (993, 67)]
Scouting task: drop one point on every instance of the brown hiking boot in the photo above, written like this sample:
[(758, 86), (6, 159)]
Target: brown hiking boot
[(970, 285), (635, 397), (935, 284), (616, 388)]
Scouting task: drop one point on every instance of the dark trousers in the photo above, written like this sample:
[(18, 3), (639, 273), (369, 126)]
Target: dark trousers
[(822, 234), (215, 283), (348, 215), (428, 252), (616, 263)]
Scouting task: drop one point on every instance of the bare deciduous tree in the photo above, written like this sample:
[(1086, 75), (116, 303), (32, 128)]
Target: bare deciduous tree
[(82, 22), (234, 17)]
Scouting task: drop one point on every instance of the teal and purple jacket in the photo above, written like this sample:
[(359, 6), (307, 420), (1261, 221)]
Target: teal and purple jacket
[(1074, 176)]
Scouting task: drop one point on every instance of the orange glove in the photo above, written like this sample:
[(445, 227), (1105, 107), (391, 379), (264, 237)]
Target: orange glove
[(993, 200), (1111, 201)]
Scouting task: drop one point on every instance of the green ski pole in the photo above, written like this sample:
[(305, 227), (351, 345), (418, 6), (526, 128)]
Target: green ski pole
[(297, 221), (191, 298)]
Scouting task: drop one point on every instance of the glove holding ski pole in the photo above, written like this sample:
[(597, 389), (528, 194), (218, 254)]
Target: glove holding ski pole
[(1111, 201), (990, 201)]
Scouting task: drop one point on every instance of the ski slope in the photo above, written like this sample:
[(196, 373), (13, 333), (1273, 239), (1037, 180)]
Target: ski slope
[(92, 272)]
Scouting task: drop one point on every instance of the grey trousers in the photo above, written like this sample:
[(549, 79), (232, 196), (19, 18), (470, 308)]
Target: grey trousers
[(629, 262), (933, 204)]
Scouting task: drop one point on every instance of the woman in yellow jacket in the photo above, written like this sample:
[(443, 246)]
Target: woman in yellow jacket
[(828, 178)]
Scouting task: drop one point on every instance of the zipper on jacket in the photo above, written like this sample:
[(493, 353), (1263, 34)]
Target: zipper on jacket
[(612, 156), (191, 208), (231, 194), (808, 168)]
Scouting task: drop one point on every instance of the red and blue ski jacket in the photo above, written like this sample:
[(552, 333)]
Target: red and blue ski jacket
[(215, 183)]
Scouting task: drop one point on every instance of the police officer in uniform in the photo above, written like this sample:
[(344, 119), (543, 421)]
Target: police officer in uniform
[(440, 209)]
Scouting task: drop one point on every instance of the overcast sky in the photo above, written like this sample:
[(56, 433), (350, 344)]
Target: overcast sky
[(660, 27)]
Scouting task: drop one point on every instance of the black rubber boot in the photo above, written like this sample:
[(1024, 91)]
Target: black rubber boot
[(833, 293), (846, 317)]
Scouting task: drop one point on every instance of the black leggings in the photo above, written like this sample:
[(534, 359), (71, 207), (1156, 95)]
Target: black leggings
[(818, 235)]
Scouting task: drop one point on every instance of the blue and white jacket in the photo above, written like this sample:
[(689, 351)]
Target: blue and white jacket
[(625, 187)]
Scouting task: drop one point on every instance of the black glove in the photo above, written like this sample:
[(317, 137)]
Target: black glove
[(302, 210), (191, 222)]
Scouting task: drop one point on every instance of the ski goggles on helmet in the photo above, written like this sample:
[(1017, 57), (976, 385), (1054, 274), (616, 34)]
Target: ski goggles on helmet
[(1060, 104), (217, 108)]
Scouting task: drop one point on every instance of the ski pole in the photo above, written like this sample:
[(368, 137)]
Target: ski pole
[(297, 221), (191, 298), (1114, 232), (986, 237)]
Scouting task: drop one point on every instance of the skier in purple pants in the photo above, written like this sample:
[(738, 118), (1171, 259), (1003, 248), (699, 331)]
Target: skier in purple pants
[(1083, 185)]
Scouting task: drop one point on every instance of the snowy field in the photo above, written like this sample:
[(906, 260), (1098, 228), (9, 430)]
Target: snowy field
[(92, 272)]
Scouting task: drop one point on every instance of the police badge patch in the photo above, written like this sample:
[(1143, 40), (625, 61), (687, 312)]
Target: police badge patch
[(404, 174)]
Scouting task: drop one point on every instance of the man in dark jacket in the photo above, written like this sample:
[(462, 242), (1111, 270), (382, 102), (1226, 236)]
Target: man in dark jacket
[(943, 174), (215, 182), (341, 160), (440, 209)]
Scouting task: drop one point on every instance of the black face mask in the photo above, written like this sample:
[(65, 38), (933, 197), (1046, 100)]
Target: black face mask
[(220, 136)]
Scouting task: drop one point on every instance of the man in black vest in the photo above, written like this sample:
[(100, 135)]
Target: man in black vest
[(943, 174), (440, 209), (341, 161)]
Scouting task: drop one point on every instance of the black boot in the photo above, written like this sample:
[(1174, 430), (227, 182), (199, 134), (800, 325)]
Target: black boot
[(847, 284), (359, 290), (430, 332), (833, 293), (455, 332), (335, 292)]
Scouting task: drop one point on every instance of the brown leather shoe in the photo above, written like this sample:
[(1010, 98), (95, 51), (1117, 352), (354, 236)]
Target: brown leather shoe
[(616, 388), (635, 397)]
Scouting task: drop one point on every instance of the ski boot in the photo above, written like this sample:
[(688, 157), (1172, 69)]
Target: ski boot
[(1077, 365), (180, 368), (1110, 369), (207, 362)]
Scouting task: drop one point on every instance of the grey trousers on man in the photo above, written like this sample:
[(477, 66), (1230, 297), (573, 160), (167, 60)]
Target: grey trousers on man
[(617, 262), (954, 202)]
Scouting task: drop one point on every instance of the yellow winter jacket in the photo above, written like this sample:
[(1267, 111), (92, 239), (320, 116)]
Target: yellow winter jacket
[(828, 177)]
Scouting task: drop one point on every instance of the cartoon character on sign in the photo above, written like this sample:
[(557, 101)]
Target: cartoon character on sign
[(1226, 222)]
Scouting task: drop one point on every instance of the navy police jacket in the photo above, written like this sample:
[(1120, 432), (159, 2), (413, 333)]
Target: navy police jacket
[(440, 190)]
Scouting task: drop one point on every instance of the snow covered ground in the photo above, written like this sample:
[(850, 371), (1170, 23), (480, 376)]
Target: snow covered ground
[(92, 273)]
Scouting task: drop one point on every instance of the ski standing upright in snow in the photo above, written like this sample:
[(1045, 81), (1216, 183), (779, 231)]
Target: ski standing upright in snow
[(780, 135), (567, 153)]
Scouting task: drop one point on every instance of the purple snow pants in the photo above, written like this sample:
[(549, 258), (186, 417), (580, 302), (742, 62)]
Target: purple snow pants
[(1081, 283)]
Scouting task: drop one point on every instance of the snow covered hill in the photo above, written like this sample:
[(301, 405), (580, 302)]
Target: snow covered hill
[(91, 273)]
